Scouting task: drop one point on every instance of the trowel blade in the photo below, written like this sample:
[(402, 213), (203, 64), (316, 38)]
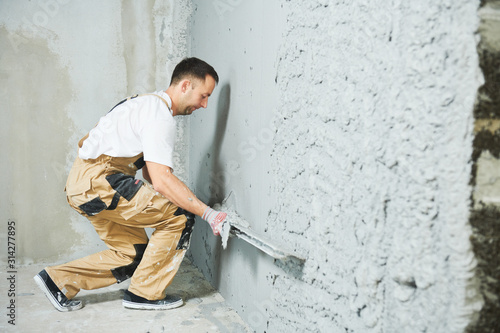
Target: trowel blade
[(250, 236), (261, 243)]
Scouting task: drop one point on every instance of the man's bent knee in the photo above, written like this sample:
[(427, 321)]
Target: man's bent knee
[(123, 273)]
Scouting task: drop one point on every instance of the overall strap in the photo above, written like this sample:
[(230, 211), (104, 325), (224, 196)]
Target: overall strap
[(137, 95), (163, 99)]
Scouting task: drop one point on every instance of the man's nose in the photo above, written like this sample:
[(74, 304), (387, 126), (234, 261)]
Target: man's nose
[(204, 104)]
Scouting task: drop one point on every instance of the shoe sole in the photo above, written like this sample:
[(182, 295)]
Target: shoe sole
[(145, 306), (41, 284)]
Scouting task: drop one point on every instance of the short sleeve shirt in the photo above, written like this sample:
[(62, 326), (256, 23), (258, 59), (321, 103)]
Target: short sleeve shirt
[(140, 125)]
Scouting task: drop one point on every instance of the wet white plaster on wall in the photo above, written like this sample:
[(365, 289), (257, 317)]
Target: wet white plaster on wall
[(372, 164)]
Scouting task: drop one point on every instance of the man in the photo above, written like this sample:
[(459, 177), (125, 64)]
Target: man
[(137, 133)]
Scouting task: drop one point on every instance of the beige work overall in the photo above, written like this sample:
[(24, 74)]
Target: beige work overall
[(120, 207)]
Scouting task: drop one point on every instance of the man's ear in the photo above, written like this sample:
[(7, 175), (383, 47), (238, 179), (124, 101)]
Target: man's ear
[(185, 84)]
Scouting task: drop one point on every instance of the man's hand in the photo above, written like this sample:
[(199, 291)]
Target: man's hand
[(176, 191), (215, 219)]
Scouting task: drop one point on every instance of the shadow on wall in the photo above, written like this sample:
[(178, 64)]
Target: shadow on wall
[(211, 182), (215, 169)]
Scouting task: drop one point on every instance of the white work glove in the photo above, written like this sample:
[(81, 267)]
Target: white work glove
[(215, 219)]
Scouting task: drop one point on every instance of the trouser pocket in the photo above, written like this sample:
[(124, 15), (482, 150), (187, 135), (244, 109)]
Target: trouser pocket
[(136, 194), (93, 207), (125, 185), (93, 196), (81, 198)]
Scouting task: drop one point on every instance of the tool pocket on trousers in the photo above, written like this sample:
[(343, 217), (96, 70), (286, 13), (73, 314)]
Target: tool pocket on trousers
[(93, 207), (142, 199), (127, 186), (79, 198)]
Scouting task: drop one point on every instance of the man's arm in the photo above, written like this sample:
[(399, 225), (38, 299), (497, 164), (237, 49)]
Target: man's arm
[(165, 182)]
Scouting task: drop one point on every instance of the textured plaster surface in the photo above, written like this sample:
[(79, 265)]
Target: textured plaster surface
[(363, 163), (371, 159)]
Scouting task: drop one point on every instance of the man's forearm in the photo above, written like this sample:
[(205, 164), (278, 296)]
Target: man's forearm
[(178, 193), (165, 182)]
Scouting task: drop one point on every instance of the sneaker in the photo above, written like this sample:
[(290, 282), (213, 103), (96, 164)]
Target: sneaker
[(55, 296), (132, 301)]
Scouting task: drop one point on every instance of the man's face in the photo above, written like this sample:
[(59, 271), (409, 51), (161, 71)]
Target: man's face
[(195, 95)]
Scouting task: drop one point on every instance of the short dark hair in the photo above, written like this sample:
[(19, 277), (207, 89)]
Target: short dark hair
[(193, 67)]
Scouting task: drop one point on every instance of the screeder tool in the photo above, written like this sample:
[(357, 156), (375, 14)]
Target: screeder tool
[(237, 227)]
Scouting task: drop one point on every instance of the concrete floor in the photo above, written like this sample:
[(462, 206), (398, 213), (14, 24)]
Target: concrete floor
[(205, 310)]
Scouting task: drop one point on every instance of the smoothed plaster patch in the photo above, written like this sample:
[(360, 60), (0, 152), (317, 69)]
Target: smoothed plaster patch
[(36, 92)]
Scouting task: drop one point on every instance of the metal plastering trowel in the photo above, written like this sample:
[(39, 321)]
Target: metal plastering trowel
[(238, 227)]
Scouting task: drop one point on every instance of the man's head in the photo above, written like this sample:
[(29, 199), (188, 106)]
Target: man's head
[(193, 81), (193, 68)]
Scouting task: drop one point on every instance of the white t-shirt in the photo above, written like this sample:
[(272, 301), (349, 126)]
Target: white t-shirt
[(140, 125)]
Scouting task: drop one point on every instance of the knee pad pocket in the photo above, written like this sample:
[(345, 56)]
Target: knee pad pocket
[(187, 231), (123, 273)]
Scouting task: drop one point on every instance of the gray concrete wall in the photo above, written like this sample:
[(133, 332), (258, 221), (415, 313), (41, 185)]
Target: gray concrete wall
[(231, 142), (64, 64), (345, 131)]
